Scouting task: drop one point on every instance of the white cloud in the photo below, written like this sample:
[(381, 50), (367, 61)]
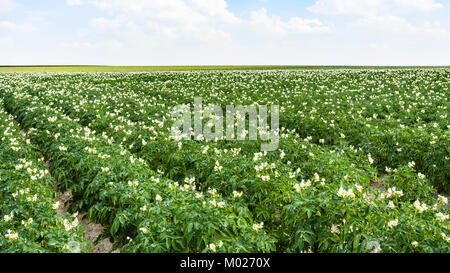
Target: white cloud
[(274, 25), (381, 15), (115, 23), (110, 44), (77, 45), (73, 2), (6, 41), (347, 7), (208, 34), (400, 25), (198, 19), (8, 5), (36, 16), (171, 10), (104, 44), (379, 46), (370, 7), (422, 5), (11, 26), (101, 4), (124, 27), (162, 30), (216, 8), (387, 22)]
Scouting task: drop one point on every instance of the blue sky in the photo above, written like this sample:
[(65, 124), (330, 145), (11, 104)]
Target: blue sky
[(202, 32)]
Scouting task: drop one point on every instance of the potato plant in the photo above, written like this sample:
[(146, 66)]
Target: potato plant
[(29, 220), (362, 164)]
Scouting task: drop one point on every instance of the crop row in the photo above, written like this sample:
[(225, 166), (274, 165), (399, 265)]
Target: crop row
[(306, 214), (143, 210), (397, 116), (30, 222)]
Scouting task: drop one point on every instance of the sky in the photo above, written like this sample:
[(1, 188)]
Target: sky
[(225, 32)]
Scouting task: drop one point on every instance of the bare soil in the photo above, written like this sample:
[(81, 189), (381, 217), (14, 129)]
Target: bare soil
[(381, 185), (91, 229)]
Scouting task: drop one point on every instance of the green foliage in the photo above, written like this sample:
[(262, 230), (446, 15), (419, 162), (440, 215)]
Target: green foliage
[(29, 220), (107, 138)]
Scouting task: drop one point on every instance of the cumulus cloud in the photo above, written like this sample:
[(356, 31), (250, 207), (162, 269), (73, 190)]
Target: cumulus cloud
[(11, 26), (208, 34), (274, 25), (216, 8), (203, 20), (7, 5), (163, 30), (126, 28), (105, 44), (73, 2), (400, 25), (198, 19), (381, 14), (173, 10), (6, 41), (114, 23), (105, 5), (347, 7), (378, 46), (365, 7), (422, 5), (389, 22)]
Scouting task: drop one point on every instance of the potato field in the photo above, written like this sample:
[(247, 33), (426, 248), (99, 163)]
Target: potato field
[(362, 164)]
